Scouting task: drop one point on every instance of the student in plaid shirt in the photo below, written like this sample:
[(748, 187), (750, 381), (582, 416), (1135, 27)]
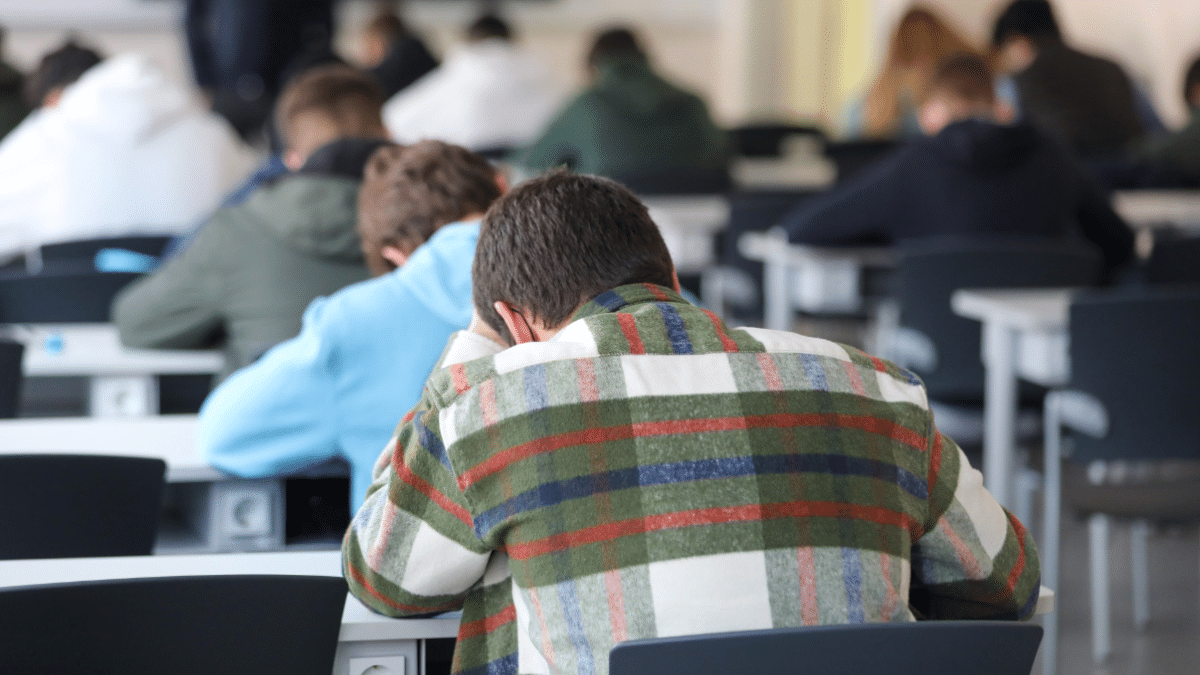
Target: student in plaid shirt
[(645, 470)]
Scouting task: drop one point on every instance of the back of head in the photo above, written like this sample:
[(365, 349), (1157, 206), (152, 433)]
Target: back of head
[(326, 103), (409, 192), (923, 37), (57, 70), (488, 27), (963, 79), (1030, 19), (554, 242), (386, 26), (618, 42)]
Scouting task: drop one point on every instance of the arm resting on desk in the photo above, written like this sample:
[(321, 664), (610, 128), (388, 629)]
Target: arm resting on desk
[(975, 560)]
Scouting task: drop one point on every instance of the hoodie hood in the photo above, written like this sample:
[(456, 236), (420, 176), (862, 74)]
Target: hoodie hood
[(315, 215), (439, 272), (985, 146), (126, 96), (628, 83)]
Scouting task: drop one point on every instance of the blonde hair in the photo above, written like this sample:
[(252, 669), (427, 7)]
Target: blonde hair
[(922, 40)]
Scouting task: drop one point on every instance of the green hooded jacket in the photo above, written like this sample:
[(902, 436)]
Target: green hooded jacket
[(250, 272), (630, 122)]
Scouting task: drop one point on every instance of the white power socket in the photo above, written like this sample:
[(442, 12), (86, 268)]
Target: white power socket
[(378, 665)]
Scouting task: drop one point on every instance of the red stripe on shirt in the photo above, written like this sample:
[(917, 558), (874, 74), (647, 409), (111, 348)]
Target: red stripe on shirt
[(420, 485), (459, 374), (470, 629), (1019, 566), (361, 579), (629, 327), (727, 342), (709, 516), (545, 444), (656, 292)]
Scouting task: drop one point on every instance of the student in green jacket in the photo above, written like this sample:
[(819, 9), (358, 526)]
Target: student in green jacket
[(1181, 150), (629, 123), (246, 278)]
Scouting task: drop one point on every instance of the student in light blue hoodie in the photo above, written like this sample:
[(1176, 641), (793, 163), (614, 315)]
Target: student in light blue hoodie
[(339, 388)]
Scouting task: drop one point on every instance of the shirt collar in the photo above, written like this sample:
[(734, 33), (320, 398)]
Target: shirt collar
[(623, 297)]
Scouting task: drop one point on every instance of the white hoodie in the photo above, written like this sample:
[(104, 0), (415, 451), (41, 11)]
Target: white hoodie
[(486, 95), (126, 150)]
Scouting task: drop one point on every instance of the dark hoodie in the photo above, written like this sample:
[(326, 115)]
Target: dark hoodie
[(631, 123), (974, 178), (12, 105)]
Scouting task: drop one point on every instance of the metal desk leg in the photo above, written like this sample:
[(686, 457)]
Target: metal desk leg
[(123, 396), (777, 278), (1000, 410)]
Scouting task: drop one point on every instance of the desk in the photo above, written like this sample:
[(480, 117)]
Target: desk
[(1150, 210), (219, 512), (687, 224), (817, 279), (1025, 334), (364, 634), (122, 380)]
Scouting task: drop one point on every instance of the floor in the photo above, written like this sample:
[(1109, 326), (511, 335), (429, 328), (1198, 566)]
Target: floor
[(1170, 645)]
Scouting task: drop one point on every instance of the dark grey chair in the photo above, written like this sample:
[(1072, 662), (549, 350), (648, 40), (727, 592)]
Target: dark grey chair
[(1174, 260), (11, 375), (60, 297), (1129, 411), (70, 506), (234, 625), (766, 139), (917, 648)]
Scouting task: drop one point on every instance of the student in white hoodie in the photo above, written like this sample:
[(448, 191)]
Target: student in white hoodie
[(487, 95), (116, 148)]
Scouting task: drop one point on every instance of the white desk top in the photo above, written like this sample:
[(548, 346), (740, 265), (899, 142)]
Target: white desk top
[(1045, 309), (95, 349), (1147, 209), (773, 245), (169, 437), (358, 622), (693, 214)]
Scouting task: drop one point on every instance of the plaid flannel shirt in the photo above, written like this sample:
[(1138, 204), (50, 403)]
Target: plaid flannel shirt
[(651, 472)]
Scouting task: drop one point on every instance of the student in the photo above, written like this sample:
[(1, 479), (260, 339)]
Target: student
[(115, 148), (629, 123), (394, 54), (1087, 102), (971, 174), (1180, 151), (359, 363), (253, 268), (13, 107), (649, 471), (488, 94)]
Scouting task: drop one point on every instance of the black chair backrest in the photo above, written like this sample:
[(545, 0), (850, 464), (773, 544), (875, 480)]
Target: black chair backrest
[(916, 648), (72, 506), (766, 139), (11, 353), (50, 297), (234, 625), (86, 249), (679, 181), (854, 156), (1174, 261), (929, 273), (1136, 352)]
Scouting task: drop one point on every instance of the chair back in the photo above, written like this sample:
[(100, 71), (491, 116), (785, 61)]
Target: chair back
[(766, 139), (68, 297), (86, 249), (71, 506), (678, 181), (856, 155), (1174, 261), (916, 648), (1136, 353), (234, 625), (11, 375), (930, 272)]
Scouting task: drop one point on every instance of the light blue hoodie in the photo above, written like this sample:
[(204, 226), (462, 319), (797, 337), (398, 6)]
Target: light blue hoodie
[(340, 387)]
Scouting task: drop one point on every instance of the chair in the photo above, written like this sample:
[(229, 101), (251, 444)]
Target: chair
[(11, 353), (66, 297), (767, 139), (234, 625), (1129, 409), (86, 249), (915, 648), (856, 155), (1174, 261), (68, 506)]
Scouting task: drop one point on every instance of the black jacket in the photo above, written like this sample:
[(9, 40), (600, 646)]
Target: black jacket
[(973, 178)]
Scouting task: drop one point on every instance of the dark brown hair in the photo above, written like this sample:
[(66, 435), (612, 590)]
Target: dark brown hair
[(409, 192), (352, 100), (58, 69), (616, 42), (963, 77), (386, 25), (559, 240)]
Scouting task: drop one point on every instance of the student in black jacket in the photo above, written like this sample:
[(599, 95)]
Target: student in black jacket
[(972, 174)]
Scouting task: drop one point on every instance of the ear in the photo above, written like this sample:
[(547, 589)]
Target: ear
[(1004, 113), (501, 181), (52, 97), (394, 255), (517, 327), (293, 160), (933, 116)]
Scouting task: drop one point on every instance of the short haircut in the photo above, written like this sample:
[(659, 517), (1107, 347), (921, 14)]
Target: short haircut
[(1032, 19), (963, 77), (615, 42), (557, 241), (1191, 80), (386, 25), (58, 69), (409, 192), (488, 26), (351, 100)]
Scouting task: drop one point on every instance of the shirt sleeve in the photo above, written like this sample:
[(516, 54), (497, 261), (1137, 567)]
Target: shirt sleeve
[(975, 560)]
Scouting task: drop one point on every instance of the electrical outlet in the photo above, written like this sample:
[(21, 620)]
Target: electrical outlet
[(378, 665)]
